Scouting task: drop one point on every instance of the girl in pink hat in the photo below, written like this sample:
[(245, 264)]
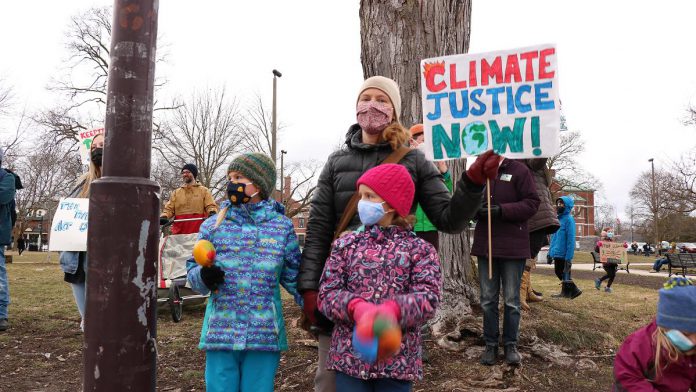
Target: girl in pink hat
[(382, 268)]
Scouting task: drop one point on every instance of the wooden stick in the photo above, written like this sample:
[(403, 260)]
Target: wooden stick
[(490, 245)]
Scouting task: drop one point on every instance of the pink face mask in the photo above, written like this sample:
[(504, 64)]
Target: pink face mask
[(373, 116)]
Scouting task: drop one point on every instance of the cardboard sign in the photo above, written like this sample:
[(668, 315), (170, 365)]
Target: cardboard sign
[(612, 252), (506, 101), (69, 225), (86, 143)]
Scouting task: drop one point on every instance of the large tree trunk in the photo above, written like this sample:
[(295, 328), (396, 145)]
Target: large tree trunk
[(396, 36)]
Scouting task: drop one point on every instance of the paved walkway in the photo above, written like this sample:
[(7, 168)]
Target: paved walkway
[(634, 271)]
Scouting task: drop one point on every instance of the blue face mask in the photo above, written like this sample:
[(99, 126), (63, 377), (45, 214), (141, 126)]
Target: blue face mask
[(680, 341), (610, 235), (370, 212)]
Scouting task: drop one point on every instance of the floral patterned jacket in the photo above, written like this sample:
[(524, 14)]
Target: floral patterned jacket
[(379, 264)]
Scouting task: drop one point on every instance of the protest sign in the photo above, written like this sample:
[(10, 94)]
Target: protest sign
[(86, 143), (613, 252), (69, 225), (506, 101)]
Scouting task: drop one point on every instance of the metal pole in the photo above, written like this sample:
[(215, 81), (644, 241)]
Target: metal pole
[(120, 351), (274, 126)]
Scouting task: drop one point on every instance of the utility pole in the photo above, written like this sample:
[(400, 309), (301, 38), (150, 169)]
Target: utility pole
[(120, 350), (654, 203), (282, 179), (274, 126)]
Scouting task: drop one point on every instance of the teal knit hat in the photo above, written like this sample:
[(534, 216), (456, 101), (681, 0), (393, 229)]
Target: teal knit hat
[(257, 167)]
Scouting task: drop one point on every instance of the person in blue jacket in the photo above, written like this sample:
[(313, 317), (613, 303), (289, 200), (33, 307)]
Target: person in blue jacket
[(562, 247), (7, 196), (257, 252)]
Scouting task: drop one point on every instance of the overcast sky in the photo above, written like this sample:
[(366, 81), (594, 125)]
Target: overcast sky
[(626, 71)]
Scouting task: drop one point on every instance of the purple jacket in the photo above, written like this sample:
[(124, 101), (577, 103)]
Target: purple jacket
[(380, 264), (634, 367), (515, 192)]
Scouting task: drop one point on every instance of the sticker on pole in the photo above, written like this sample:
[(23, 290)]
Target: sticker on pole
[(505, 100), (86, 138), (69, 226)]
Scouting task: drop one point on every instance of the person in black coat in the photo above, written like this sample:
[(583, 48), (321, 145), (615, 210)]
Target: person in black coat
[(514, 200), (377, 133)]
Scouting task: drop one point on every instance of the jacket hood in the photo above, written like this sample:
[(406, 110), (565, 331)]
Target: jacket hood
[(354, 140), (569, 204)]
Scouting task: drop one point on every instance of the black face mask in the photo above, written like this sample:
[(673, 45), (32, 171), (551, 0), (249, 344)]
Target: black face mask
[(236, 193), (96, 156), (560, 209)]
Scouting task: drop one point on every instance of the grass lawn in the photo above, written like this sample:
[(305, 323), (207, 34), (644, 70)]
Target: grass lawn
[(42, 349)]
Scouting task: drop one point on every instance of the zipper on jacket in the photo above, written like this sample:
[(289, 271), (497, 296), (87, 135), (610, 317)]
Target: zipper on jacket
[(275, 319)]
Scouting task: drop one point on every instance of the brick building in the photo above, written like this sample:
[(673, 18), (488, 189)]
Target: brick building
[(299, 220), (36, 230), (584, 210)]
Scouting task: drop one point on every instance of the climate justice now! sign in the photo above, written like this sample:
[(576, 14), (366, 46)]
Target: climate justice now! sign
[(506, 101)]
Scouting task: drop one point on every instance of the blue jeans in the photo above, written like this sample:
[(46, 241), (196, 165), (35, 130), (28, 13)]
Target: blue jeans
[(509, 272), (240, 371), (659, 263), (346, 383), (4, 285)]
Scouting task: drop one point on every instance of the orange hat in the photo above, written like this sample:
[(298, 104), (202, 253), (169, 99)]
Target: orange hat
[(416, 130)]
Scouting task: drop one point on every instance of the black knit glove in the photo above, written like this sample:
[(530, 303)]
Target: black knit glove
[(212, 277), (163, 220), (496, 212)]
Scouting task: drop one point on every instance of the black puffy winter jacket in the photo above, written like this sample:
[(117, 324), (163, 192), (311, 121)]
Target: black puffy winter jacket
[(336, 185)]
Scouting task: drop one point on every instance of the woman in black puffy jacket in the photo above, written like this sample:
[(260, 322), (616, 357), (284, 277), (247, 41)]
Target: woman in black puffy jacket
[(377, 133)]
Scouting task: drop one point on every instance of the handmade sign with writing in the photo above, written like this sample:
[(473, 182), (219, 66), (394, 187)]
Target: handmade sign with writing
[(69, 226), (86, 143), (613, 253), (506, 101)]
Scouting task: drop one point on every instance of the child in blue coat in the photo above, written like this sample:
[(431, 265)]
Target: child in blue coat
[(256, 252), (562, 248)]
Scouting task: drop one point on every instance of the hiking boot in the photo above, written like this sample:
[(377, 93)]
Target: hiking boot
[(512, 357), (608, 290), (489, 356), (597, 284), (563, 293), (537, 293), (4, 324)]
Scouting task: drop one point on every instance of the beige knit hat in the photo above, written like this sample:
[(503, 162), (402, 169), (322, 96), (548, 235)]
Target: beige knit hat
[(389, 87)]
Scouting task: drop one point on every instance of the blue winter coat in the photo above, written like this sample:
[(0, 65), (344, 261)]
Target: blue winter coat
[(563, 241), (257, 248), (7, 195)]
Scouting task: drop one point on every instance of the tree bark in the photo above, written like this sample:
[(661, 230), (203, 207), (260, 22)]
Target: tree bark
[(396, 36)]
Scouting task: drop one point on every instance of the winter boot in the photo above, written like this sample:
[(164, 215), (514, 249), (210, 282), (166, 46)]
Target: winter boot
[(512, 357), (489, 356), (573, 290), (564, 291), (524, 287)]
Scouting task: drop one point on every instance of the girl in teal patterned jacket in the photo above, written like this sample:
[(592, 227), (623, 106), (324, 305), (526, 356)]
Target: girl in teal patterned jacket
[(256, 252)]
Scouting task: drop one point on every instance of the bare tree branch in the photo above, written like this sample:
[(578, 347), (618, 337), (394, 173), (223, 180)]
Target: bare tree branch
[(83, 81), (206, 131)]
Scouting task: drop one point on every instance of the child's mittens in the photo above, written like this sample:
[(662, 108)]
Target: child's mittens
[(212, 277), (376, 335)]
